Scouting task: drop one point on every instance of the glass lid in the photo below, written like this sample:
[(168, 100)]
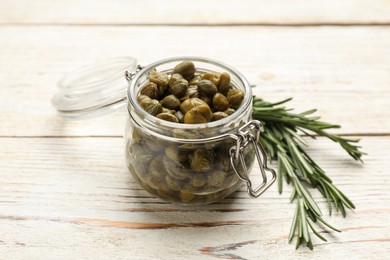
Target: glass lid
[(94, 89)]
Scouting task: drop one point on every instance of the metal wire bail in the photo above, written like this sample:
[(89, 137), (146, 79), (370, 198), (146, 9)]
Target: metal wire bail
[(247, 135), (130, 75)]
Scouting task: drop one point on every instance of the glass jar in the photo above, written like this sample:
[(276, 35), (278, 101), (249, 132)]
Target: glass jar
[(191, 164), (186, 163)]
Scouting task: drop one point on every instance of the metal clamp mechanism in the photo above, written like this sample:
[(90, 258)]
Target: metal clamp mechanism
[(248, 135), (130, 75)]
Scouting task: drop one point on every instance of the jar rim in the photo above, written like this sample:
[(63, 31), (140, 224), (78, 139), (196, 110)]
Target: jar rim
[(132, 98)]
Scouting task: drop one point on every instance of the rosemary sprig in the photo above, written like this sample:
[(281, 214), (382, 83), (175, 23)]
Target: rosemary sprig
[(282, 142)]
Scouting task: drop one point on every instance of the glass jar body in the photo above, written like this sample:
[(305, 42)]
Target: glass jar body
[(181, 172), (186, 164)]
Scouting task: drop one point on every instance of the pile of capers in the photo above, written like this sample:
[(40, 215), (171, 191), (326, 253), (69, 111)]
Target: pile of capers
[(196, 173), (188, 96)]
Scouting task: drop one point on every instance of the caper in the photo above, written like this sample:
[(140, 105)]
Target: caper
[(186, 197), (159, 184), (155, 168), (155, 145), (198, 115), (224, 83), (206, 87), (190, 103), (169, 111), (172, 183), (213, 77), (151, 106), (179, 87), (192, 91), (137, 135), (168, 117), (220, 102), (160, 78), (186, 134), (186, 69), (208, 100), (175, 169), (195, 80), (202, 160), (141, 153), (171, 102), (180, 116), (174, 77), (230, 111), (141, 98), (216, 179), (198, 181), (235, 97), (150, 89), (218, 115), (175, 154)]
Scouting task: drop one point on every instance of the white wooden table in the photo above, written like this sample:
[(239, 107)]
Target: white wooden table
[(65, 192)]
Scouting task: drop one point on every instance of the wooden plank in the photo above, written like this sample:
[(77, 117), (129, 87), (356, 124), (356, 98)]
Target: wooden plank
[(198, 12), (68, 197), (344, 72)]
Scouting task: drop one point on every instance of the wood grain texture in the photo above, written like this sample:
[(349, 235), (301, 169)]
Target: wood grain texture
[(342, 71), (197, 12), (67, 197), (65, 192)]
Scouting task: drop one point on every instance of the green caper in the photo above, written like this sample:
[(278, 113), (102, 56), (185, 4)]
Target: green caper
[(174, 77), (198, 181), (137, 135), (195, 80), (186, 197), (224, 83), (155, 146), (171, 102), (198, 115), (155, 168), (206, 87), (175, 154), (179, 87), (175, 169), (213, 77), (159, 184), (160, 78), (186, 69), (180, 116), (190, 103), (230, 111), (142, 98), (173, 183), (169, 111), (150, 89), (192, 91), (216, 179), (206, 99), (235, 97), (202, 160), (151, 106), (168, 117), (220, 102), (218, 115), (141, 153)]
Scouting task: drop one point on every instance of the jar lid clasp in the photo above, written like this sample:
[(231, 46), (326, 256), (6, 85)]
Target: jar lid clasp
[(130, 75), (248, 135)]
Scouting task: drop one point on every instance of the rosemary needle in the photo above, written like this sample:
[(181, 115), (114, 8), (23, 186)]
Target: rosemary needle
[(283, 143)]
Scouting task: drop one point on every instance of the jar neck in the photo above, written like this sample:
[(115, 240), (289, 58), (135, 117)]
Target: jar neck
[(189, 132)]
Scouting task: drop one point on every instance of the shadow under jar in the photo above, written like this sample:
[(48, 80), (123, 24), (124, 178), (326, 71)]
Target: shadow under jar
[(193, 164)]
